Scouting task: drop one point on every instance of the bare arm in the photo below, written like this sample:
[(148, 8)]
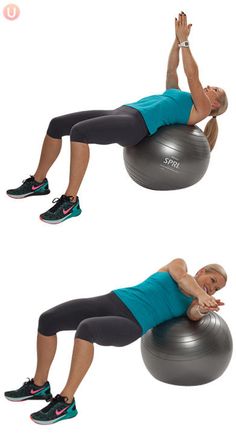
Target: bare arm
[(196, 312), (173, 62), (177, 268), (203, 303), (182, 30), (200, 100), (189, 64)]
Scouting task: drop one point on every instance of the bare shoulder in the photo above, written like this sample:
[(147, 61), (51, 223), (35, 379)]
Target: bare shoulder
[(195, 117), (200, 101)]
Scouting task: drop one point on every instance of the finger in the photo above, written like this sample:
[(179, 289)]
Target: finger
[(210, 301), (212, 304), (184, 16)]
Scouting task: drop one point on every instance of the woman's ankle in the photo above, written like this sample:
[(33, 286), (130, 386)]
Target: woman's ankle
[(69, 397), (39, 381), (69, 194), (39, 177)]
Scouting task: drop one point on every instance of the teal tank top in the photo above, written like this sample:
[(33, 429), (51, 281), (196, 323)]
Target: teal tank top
[(155, 300), (171, 107)]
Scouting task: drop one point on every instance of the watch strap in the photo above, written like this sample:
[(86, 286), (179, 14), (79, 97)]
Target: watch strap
[(184, 44)]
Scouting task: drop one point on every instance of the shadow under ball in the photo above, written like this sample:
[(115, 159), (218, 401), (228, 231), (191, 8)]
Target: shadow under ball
[(188, 353), (175, 157)]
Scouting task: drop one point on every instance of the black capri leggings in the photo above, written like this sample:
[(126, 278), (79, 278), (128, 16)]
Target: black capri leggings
[(105, 320), (124, 125)]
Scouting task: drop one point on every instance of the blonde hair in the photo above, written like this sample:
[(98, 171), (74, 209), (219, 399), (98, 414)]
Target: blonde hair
[(216, 267), (211, 128)]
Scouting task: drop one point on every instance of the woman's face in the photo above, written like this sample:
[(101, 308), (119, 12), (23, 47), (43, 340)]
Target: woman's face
[(214, 93), (210, 282)]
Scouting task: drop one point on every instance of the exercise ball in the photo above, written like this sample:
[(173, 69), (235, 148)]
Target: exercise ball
[(188, 353), (175, 157)]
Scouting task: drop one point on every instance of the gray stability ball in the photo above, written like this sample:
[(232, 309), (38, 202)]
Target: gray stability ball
[(188, 353), (175, 157)]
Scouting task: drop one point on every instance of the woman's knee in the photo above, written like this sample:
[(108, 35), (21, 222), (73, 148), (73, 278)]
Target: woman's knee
[(84, 331), (79, 134), (46, 324), (55, 128)]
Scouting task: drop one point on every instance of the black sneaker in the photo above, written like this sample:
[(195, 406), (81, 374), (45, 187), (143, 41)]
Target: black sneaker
[(57, 410), (29, 187), (30, 391), (62, 210)]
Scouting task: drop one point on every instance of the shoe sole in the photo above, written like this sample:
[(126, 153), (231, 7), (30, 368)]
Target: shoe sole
[(71, 215), (53, 421), (30, 194), (28, 398)]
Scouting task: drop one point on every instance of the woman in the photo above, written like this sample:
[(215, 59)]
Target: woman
[(117, 318), (126, 125)]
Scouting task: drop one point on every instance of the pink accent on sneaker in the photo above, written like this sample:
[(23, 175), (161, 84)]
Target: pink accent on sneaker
[(36, 187), (37, 390), (59, 412), (65, 211)]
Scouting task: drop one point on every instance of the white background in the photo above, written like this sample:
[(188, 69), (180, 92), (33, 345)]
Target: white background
[(64, 56)]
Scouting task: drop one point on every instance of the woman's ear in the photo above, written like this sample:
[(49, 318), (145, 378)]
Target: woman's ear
[(215, 105)]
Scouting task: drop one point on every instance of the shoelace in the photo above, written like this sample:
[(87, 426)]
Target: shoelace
[(60, 201), (30, 179), (29, 381), (58, 397), (54, 400)]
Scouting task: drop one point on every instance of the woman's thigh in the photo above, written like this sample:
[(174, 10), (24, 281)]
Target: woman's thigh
[(68, 315), (109, 330), (124, 127), (62, 125)]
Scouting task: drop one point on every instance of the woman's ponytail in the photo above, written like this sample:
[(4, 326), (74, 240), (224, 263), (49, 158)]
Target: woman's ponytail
[(211, 128), (211, 132)]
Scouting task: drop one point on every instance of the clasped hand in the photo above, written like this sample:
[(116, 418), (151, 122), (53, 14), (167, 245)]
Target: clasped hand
[(182, 29), (209, 303)]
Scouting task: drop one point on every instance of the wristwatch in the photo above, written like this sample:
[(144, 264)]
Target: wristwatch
[(184, 44)]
